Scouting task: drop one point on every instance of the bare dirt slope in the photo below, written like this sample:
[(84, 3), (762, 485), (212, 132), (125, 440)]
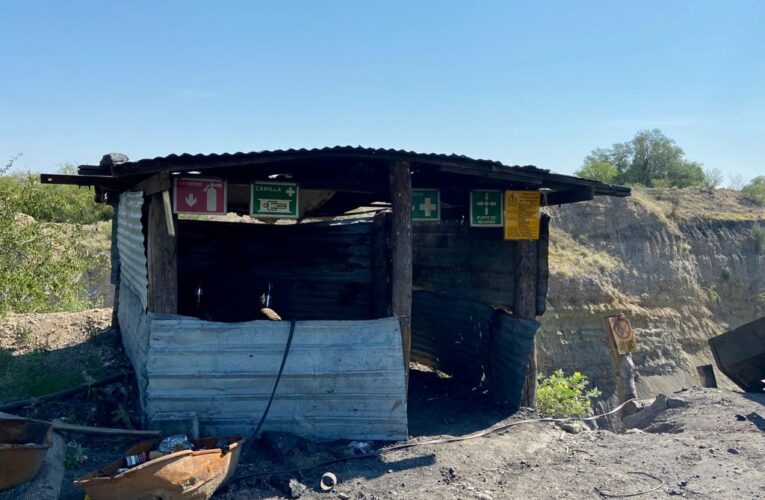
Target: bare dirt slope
[(710, 454)]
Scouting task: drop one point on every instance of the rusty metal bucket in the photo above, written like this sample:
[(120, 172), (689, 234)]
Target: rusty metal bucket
[(189, 474), (23, 444)]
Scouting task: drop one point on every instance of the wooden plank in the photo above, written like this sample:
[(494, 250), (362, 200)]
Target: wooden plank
[(525, 307), (543, 266), (401, 250), (162, 259), (154, 184), (381, 266)]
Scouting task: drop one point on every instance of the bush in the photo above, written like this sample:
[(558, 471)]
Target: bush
[(755, 190), (53, 203), (561, 396), (40, 263)]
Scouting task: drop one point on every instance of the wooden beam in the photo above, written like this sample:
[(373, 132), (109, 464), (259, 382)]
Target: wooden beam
[(401, 248), (525, 306), (161, 253), (154, 184), (570, 196)]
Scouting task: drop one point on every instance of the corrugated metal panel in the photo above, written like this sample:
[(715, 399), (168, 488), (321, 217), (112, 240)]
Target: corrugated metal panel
[(342, 379), (510, 350), (476, 343), (451, 335), (453, 259), (134, 331), (132, 252)]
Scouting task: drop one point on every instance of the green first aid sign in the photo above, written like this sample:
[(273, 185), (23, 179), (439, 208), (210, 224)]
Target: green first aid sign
[(486, 209), (278, 200), (426, 204)]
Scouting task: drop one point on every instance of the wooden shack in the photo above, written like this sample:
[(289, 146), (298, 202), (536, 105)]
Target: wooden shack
[(372, 257)]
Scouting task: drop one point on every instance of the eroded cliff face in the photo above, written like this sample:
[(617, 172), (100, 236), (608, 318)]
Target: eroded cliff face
[(683, 265)]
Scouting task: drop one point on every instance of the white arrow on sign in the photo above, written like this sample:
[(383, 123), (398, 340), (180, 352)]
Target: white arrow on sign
[(191, 200)]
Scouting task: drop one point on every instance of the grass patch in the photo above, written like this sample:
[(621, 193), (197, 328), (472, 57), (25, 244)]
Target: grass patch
[(575, 258), (41, 372)]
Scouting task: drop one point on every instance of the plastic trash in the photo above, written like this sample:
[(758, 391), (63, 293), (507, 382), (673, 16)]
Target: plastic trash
[(177, 442)]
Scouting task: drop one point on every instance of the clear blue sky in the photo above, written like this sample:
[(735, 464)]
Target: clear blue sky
[(538, 83)]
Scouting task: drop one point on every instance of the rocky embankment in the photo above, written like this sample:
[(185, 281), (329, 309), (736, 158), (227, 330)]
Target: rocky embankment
[(683, 265)]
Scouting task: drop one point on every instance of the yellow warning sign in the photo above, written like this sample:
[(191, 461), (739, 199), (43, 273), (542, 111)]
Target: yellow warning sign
[(522, 215)]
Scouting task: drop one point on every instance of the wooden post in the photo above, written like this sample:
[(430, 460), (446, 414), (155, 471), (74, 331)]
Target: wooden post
[(381, 266), (162, 259), (624, 371), (115, 271), (401, 249), (525, 306)]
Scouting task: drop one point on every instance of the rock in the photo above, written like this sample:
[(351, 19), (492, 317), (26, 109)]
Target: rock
[(297, 488), (733, 451), (573, 427), (646, 416), (676, 403), (112, 159), (47, 484), (343, 496), (483, 496), (741, 418)]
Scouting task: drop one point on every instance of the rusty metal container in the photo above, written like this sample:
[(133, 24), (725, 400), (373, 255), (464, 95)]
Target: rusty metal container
[(740, 354), (188, 474), (23, 444)]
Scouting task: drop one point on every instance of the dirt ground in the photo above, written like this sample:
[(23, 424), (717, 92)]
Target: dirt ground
[(709, 453), (712, 445)]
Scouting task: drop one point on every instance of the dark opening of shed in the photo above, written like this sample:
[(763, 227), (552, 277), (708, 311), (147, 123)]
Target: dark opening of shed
[(377, 257)]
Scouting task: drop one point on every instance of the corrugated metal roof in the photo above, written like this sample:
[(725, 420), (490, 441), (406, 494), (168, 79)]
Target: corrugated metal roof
[(470, 165)]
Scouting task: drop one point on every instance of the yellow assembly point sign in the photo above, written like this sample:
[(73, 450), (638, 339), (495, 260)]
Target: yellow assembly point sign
[(522, 215)]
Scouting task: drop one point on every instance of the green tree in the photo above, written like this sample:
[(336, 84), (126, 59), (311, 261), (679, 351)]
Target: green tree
[(650, 159), (755, 190), (598, 170)]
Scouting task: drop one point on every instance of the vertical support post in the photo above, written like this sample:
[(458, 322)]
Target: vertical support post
[(381, 266), (115, 264), (525, 306), (161, 253), (401, 249), (624, 373)]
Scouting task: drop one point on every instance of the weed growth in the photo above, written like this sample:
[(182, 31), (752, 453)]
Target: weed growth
[(562, 396)]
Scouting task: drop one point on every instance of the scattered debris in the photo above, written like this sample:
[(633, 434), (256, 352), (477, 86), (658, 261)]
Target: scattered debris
[(296, 488), (360, 447), (328, 481)]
